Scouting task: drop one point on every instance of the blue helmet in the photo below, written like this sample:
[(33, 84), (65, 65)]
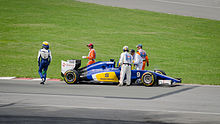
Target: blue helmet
[(45, 44), (139, 45)]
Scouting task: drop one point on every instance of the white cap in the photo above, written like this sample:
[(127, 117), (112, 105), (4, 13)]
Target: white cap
[(125, 48)]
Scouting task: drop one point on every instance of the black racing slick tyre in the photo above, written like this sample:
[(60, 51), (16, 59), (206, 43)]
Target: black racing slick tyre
[(160, 72), (71, 76), (148, 79)]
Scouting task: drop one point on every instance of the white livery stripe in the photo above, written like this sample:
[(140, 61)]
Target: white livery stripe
[(94, 77)]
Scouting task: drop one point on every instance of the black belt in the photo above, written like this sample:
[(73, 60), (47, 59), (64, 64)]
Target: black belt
[(126, 64)]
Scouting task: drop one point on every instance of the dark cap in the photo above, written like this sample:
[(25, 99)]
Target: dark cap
[(132, 50)]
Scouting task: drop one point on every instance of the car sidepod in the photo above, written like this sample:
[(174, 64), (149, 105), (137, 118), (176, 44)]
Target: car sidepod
[(104, 75)]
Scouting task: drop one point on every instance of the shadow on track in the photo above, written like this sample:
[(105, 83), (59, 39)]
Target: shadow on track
[(66, 120)]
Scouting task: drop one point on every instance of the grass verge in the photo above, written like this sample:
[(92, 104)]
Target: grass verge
[(184, 47)]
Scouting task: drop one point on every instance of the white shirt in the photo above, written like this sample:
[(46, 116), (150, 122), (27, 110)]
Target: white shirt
[(137, 59), (44, 54), (125, 58)]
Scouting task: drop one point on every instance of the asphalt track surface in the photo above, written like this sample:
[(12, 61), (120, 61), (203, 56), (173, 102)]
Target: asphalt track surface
[(57, 102), (209, 9)]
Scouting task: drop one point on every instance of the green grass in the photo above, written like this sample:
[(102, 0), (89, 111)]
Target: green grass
[(184, 47)]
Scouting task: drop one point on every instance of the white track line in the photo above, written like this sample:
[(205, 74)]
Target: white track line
[(37, 79), (189, 4), (6, 78)]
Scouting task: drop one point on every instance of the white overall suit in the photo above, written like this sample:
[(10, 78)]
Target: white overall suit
[(125, 62), (138, 61)]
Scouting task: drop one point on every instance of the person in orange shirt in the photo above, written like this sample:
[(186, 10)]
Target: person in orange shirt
[(143, 54), (92, 54)]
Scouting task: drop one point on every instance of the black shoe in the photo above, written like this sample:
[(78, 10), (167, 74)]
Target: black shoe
[(42, 81)]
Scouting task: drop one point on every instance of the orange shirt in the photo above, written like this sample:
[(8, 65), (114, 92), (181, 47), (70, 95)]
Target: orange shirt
[(92, 54), (143, 54)]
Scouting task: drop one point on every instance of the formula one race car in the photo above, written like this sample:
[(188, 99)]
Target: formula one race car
[(106, 72)]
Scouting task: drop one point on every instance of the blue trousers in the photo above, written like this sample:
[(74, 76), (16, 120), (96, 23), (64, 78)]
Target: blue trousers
[(43, 66)]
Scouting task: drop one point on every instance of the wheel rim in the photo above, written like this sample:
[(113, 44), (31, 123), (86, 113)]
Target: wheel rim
[(147, 79), (70, 77)]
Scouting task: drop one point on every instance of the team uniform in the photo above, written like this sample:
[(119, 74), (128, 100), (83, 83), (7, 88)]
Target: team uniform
[(92, 54), (125, 62), (91, 57), (44, 59), (144, 56), (138, 61)]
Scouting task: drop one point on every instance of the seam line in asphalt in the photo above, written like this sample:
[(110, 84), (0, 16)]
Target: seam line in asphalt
[(109, 97)]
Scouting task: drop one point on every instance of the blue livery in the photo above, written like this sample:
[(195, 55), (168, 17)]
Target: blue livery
[(106, 72)]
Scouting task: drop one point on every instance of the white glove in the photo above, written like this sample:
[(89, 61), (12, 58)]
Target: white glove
[(84, 57)]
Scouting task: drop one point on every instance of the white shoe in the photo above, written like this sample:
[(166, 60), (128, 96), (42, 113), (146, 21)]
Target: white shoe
[(138, 81), (120, 84)]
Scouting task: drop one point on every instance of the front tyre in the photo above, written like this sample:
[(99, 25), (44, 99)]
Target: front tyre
[(160, 72), (148, 79), (71, 76)]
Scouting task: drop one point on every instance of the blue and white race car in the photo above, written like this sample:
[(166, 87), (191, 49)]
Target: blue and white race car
[(106, 72)]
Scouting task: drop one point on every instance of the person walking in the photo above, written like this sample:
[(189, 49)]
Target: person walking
[(44, 60)]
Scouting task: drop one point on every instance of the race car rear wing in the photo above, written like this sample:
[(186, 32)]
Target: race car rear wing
[(70, 65)]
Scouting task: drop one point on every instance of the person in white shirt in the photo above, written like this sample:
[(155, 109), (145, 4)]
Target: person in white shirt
[(125, 63), (138, 61)]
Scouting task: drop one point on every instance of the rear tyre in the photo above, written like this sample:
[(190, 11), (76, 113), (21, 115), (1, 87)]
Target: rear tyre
[(62, 74), (71, 76), (148, 79)]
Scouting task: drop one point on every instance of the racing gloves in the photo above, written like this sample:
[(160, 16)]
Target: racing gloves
[(84, 57)]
